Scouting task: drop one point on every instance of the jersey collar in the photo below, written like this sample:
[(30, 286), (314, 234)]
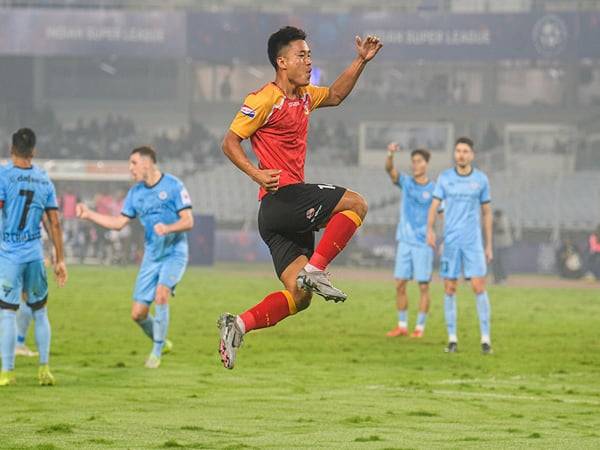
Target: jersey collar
[(466, 175), (155, 184)]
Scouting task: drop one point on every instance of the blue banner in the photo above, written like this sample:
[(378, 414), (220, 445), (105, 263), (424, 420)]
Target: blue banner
[(79, 32), (406, 37), (226, 36)]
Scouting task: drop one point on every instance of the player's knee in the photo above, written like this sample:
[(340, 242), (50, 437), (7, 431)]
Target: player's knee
[(162, 295), (360, 206), (138, 316), (478, 286), (401, 286), (161, 299), (450, 288), (424, 288)]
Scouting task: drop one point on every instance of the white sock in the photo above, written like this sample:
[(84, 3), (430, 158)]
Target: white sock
[(420, 328), (452, 338), (403, 324), (310, 268), (486, 340)]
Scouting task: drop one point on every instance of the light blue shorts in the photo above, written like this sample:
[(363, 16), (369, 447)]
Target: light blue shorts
[(413, 261), (17, 279), (167, 271), (468, 261)]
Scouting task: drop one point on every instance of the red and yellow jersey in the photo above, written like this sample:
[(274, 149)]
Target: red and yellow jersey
[(277, 127)]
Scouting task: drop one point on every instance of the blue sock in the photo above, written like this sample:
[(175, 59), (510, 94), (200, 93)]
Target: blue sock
[(24, 316), (147, 326), (450, 314), (8, 338), (161, 325), (42, 334), (402, 318), (484, 312), (421, 318)]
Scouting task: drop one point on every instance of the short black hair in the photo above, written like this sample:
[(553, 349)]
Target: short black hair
[(465, 140), (23, 142), (146, 150), (280, 39), (421, 151)]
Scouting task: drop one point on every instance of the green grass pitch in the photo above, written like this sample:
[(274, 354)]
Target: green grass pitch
[(327, 378)]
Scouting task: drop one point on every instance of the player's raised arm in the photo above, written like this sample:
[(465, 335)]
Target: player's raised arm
[(104, 220), (366, 49), (56, 236), (389, 161), (232, 147)]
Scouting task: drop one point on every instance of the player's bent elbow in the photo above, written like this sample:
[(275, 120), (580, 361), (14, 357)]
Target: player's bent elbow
[(226, 145), (120, 223)]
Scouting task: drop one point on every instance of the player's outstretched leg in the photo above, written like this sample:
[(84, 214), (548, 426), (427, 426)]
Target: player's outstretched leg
[(8, 340), (24, 317), (43, 336), (345, 220), (272, 309)]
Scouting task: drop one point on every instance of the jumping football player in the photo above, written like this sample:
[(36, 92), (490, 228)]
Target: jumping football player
[(275, 119)]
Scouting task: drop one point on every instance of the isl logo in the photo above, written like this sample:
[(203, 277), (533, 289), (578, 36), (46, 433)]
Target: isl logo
[(550, 35)]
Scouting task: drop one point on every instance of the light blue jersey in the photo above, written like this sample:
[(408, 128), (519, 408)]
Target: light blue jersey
[(463, 243), (160, 203), (26, 194), (462, 197), (414, 258), (416, 200)]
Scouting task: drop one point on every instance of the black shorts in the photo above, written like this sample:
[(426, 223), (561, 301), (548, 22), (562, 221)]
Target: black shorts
[(288, 219)]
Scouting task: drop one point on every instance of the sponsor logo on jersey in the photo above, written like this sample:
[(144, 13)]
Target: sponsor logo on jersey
[(474, 185), (248, 112), (162, 195), (426, 195)]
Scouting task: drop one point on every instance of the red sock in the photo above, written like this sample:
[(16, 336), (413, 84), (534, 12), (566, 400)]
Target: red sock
[(339, 230), (274, 308)]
